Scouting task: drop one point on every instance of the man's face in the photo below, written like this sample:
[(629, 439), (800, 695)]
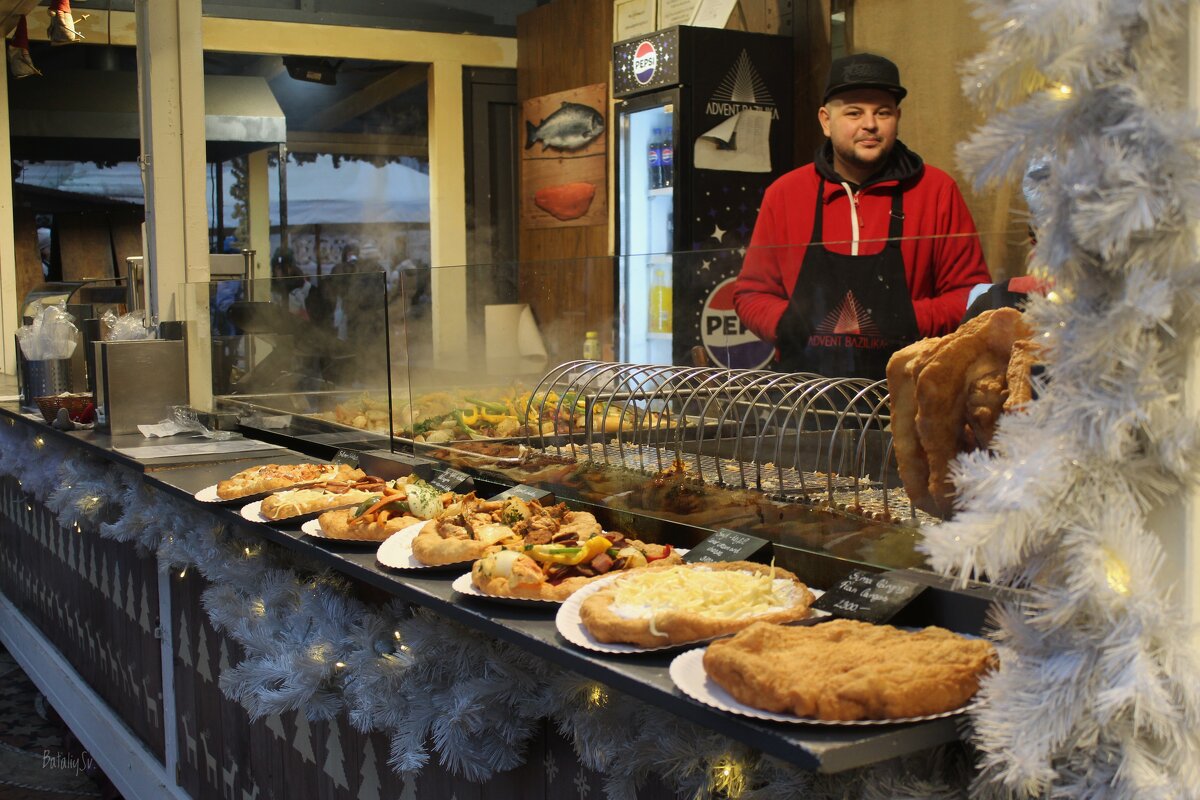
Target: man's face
[(862, 125)]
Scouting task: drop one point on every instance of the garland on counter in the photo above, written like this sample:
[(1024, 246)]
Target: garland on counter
[(1098, 693), (422, 680)]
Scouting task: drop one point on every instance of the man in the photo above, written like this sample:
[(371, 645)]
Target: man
[(863, 251)]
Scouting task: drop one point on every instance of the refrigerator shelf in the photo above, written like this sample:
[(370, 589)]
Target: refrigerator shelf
[(666, 191)]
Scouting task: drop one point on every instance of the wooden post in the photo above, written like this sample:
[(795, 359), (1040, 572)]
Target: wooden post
[(10, 312), (171, 100), (448, 212)]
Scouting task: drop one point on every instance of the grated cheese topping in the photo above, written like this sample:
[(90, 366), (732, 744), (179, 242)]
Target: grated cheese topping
[(725, 594)]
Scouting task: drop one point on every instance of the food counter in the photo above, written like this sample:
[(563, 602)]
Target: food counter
[(228, 739)]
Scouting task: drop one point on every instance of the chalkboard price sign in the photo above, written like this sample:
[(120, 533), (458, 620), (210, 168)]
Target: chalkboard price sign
[(347, 457), (527, 493), (452, 480), (868, 596), (730, 545)]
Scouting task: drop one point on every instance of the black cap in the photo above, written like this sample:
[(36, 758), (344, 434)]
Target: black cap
[(864, 71)]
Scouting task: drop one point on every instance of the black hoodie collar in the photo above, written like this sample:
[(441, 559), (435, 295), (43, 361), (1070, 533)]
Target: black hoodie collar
[(901, 165)]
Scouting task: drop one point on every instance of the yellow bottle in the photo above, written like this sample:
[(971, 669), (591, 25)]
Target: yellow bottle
[(660, 302)]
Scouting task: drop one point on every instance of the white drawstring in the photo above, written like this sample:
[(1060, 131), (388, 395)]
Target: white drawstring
[(853, 219)]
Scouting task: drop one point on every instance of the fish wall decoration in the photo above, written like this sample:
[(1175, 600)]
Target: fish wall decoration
[(572, 127)]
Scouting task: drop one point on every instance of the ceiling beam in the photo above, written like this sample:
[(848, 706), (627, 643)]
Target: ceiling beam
[(264, 37), (370, 96)]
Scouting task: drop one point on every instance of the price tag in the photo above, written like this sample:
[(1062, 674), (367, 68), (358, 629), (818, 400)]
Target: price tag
[(868, 596), (452, 480), (526, 492), (729, 545), (347, 457)]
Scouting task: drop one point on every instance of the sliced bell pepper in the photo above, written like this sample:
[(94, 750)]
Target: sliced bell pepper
[(557, 554)]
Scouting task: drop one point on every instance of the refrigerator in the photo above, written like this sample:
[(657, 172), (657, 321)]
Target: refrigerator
[(686, 198)]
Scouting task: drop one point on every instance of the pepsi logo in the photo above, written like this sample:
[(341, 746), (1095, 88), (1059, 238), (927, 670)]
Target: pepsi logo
[(725, 337), (645, 62)]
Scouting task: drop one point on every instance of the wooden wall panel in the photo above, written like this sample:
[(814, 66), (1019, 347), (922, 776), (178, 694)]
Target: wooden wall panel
[(29, 259), (813, 52), (566, 274), (85, 245), (929, 41)]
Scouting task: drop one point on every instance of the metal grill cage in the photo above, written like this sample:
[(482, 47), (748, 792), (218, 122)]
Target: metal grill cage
[(794, 436)]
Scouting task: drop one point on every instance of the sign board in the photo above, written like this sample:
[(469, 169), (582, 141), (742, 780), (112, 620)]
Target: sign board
[(729, 545), (633, 18), (675, 12), (870, 597), (347, 457), (527, 493), (452, 480)]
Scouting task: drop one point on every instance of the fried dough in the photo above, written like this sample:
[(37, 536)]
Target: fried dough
[(902, 390), (1025, 354), (848, 670), (943, 386)]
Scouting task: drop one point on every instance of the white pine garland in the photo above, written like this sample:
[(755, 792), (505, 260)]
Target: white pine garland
[(433, 686), (1098, 693)]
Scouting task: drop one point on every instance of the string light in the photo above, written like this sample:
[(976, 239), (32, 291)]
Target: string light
[(729, 777), (183, 574), (340, 665), (1065, 90), (259, 608), (38, 442), (597, 697), (1116, 574)]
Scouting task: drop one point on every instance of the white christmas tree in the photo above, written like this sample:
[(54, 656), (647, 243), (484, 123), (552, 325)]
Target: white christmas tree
[(409, 790), (303, 740), (335, 762), (202, 653), (223, 660), (368, 776), (144, 617), (185, 643), (130, 603), (275, 726), (116, 584)]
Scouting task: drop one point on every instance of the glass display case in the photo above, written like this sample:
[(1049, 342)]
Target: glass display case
[(493, 370)]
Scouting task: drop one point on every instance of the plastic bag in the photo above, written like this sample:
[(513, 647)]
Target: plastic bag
[(51, 335), (125, 328)]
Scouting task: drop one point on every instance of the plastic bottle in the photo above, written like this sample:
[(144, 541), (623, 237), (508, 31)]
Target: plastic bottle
[(660, 301), (591, 346), (666, 160), (655, 158)]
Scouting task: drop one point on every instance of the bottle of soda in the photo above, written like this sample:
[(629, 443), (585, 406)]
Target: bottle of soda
[(666, 160), (655, 154)]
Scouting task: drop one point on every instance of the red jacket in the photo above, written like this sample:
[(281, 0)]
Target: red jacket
[(943, 258)]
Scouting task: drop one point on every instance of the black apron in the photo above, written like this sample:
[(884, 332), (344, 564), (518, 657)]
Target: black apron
[(847, 314)]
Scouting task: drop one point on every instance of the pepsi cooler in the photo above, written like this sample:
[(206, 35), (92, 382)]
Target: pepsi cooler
[(681, 230)]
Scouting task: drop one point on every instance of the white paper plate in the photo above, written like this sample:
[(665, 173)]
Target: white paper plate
[(687, 671), (396, 551), (252, 512), (208, 495), (313, 529), (463, 585), (570, 623)]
